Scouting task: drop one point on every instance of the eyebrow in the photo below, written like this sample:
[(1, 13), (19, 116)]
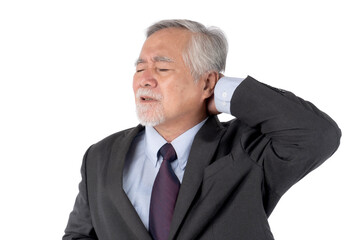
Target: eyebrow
[(155, 59)]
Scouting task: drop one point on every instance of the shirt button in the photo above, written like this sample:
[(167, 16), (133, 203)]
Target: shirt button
[(224, 94), (224, 103)]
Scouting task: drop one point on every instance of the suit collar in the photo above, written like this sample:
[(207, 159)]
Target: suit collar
[(201, 153), (114, 183)]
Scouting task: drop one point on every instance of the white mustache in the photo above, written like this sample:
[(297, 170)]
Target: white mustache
[(148, 93)]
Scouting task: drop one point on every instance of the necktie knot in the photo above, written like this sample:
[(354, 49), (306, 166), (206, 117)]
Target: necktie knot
[(168, 153)]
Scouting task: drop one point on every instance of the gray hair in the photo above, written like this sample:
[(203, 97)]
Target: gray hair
[(207, 49)]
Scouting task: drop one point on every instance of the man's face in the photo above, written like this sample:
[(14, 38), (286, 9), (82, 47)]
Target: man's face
[(165, 91)]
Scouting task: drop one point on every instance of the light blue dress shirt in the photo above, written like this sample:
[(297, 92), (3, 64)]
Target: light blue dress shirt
[(143, 161)]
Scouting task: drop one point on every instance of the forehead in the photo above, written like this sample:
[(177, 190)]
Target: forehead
[(167, 42)]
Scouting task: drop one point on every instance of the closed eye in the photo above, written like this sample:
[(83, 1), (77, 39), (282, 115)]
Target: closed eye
[(140, 70), (163, 70)]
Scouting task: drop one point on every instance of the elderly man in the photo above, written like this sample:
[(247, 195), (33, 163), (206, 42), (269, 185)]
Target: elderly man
[(182, 174)]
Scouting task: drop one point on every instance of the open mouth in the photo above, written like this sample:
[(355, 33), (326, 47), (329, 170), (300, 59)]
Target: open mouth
[(147, 96), (146, 99)]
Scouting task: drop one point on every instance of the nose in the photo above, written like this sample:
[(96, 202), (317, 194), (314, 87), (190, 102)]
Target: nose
[(147, 79)]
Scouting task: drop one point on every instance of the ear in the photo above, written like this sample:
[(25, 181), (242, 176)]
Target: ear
[(209, 81)]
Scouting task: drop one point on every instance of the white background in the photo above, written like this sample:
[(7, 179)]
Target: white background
[(66, 82)]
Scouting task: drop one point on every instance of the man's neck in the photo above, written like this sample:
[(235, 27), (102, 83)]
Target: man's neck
[(172, 130)]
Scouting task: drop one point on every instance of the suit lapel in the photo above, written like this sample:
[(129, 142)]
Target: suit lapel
[(202, 151), (114, 183)]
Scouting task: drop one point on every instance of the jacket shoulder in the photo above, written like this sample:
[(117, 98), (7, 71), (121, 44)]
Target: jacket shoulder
[(107, 143)]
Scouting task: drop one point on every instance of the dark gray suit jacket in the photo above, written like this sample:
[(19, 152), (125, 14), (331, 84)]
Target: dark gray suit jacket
[(236, 172)]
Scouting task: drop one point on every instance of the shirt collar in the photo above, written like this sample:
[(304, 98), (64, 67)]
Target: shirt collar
[(182, 144), (153, 142)]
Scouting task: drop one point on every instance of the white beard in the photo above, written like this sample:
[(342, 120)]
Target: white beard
[(149, 114)]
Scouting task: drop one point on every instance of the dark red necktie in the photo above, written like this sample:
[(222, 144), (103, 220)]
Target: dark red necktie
[(163, 196)]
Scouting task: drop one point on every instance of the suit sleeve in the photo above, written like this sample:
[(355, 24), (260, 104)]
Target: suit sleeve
[(287, 136), (80, 225)]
